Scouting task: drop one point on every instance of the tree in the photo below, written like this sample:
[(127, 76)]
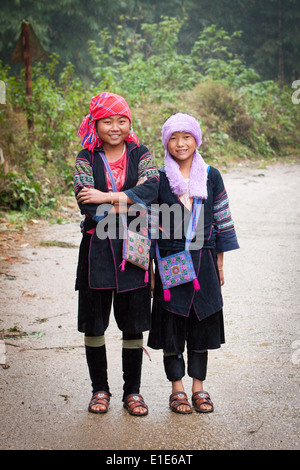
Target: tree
[(63, 26), (269, 43)]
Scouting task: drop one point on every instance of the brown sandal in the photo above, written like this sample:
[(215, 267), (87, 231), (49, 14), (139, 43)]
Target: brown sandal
[(133, 401), (99, 398), (202, 398), (177, 399)]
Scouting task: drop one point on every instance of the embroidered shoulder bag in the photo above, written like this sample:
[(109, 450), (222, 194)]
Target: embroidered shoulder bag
[(136, 247)]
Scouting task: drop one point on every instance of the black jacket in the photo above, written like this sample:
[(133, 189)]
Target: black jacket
[(219, 236), (100, 259)]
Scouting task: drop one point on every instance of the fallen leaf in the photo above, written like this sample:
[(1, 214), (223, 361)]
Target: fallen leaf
[(25, 294), (66, 397)]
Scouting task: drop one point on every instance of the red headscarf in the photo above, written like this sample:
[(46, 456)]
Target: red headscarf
[(102, 106)]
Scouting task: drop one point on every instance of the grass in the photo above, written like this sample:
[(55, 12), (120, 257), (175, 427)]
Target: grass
[(57, 243)]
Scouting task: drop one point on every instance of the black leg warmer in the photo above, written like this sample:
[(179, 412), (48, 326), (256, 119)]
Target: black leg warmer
[(97, 364), (132, 358)]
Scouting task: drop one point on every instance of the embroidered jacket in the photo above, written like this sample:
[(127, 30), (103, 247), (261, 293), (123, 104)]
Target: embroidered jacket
[(100, 259), (218, 236)]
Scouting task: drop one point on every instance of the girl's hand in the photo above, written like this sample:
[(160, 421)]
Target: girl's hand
[(141, 180), (220, 261), (221, 273), (92, 196)]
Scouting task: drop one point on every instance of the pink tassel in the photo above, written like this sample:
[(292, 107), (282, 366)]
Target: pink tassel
[(167, 295), (123, 265), (146, 278), (146, 352), (196, 284)]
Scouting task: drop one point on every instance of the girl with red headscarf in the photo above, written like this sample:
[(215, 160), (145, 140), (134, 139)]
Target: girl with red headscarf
[(101, 280)]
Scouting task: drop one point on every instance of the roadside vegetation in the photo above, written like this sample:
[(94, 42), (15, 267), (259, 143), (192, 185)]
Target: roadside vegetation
[(244, 118)]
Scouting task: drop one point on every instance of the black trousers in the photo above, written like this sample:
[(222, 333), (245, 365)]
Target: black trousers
[(131, 366), (175, 366)]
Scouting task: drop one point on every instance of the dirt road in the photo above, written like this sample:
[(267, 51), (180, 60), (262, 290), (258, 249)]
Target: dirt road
[(253, 380)]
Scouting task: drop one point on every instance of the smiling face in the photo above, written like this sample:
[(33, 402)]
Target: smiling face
[(113, 130), (182, 146)]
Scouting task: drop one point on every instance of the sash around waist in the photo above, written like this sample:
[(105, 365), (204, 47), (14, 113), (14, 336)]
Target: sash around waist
[(179, 245)]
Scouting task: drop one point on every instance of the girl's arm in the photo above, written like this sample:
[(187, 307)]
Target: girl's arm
[(146, 192), (94, 196), (226, 239), (87, 196), (220, 259), (83, 180)]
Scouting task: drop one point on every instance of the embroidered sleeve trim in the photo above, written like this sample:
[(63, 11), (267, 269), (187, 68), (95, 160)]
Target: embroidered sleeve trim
[(147, 167), (83, 175), (222, 214)]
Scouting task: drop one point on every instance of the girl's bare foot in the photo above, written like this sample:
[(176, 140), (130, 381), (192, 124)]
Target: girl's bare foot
[(176, 388), (198, 387), (99, 402)]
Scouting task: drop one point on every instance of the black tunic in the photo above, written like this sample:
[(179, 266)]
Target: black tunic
[(99, 278), (100, 259)]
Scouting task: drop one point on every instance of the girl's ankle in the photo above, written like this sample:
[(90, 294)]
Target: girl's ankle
[(177, 386), (197, 386)]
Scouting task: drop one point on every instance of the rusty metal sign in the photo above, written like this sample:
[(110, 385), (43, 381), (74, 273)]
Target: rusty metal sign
[(37, 52)]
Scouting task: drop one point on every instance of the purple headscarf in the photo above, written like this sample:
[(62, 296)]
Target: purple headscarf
[(181, 122)]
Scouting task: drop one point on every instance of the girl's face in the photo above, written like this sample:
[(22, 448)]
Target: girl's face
[(113, 130), (182, 146)]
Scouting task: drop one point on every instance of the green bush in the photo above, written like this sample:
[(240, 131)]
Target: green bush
[(241, 116)]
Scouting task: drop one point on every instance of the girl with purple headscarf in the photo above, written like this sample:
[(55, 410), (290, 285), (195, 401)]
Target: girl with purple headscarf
[(190, 316)]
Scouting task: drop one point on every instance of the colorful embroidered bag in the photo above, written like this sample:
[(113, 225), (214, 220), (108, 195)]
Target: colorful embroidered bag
[(136, 247)]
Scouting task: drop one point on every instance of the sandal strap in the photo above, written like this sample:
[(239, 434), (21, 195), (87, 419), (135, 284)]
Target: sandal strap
[(200, 398), (176, 395), (134, 400), (178, 399), (100, 398)]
